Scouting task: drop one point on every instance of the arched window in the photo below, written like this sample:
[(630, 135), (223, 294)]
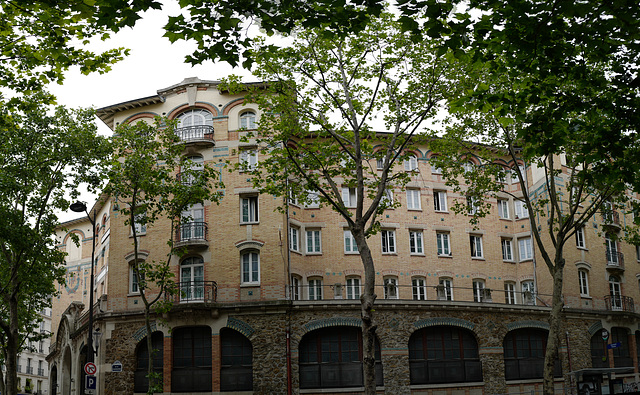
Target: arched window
[(251, 267), (195, 117), (599, 351), (524, 351), (236, 367), (332, 358), (192, 279), (191, 359), (443, 354), (74, 252), (141, 381), (248, 120), (621, 357)]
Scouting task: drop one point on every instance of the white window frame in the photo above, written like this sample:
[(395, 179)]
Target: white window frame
[(503, 208), (475, 243), (387, 198), (141, 229), (294, 239), (440, 201), (447, 283), (580, 238), (525, 249), (248, 159), (379, 163), (350, 246), (133, 281), (443, 244), (413, 199), (520, 209), (514, 174), (313, 239), (313, 199), (295, 287), (250, 268), (507, 249), (435, 169), (510, 293), (419, 288), (249, 209), (350, 197), (354, 288), (388, 241), (468, 166), (411, 163), (314, 289), (416, 244), (472, 205), (391, 287), (583, 282), (478, 290), (247, 120)]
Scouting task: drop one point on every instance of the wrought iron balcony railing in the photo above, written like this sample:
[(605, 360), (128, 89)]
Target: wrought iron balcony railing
[(619, 303), (192, 232), (611, 218), (194, 292), (615, 258), (189, 178), (196, 133)]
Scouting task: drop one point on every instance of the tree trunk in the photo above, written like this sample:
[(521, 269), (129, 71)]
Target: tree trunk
[(150, 375), (555, 318), (368, 328), (12, 346)]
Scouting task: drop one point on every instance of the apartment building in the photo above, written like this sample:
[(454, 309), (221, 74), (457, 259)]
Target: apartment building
[(270, 301)]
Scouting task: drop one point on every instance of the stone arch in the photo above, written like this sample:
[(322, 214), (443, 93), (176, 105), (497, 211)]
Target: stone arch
[(65, 379), (445, 321), (140, 116)]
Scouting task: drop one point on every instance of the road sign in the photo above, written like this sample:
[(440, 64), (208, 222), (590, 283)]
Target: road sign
[(605, 334), (90, 382), (116, 366), (614, 345), (90, 368)]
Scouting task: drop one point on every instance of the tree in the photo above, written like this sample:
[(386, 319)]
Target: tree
[(152, 181), (46, 153), (321, 104), (42, 39)]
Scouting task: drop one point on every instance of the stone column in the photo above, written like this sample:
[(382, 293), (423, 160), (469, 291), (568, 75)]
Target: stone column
[(395, 365), (167, 363), (492, 360), (215, 362)]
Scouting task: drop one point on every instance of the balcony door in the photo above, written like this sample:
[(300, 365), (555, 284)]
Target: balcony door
[(615, 292), (192, 279), (192, 226)]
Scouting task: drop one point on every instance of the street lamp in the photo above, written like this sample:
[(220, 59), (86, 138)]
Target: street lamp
[(79, 207)]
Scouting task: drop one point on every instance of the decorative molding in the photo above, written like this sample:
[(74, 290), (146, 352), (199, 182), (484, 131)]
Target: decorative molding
[(595, 327), (142, 332), (527, 324), (329, 322), (240, 326), (444, 321)]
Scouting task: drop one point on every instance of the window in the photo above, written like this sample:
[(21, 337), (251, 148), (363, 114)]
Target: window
[(350, 245), (611, 245), (192, 225), (411, 163), (621, 357), (435, 169), (580, 242), (528, 292), (413, 199), (391, 288), (388, 241), (638, 253), (349, 197), (195, 117), (468, 166), (191, 169), (140, 223), (236, 361), (192, 279), (315, 289), (248, 120), (191, 359), (472, 205), (294, 243), (380, 163), (507, 250), (524, 351), (332, 358), (524, 247), (443, 354), (134, 287), (615, 293), (583, 280), (599, 352), (419, 288), (514, 174), (509, 293), (440, 201), (445, 289), (503, 208), (249, 209), (415, 242), (442, 240), (140, 380), (387, 198), (313, 199), (478, 290), (250, 268), (295, 288), (353, 288), (521, 209), (475, 243), (248, 160), (314, 245)]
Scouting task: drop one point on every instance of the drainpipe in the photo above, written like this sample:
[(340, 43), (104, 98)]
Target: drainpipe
[(533, 244), (289, 293)]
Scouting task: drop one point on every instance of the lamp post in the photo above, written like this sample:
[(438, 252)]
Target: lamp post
[(79, 207)]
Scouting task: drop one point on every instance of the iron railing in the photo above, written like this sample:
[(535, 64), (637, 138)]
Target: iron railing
[(615, 258), (194, 292), (190, 177), (611, 218), (195, 133), (189, 231), (619, 303)]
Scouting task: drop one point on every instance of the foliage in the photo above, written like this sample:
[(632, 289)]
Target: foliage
[(316, 136), (45, 154), (39, 40), (152, 181)]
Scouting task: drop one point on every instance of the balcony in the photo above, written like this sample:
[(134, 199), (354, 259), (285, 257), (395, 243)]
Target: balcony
[(29, 369), (611, 219), (619, 303), (194, 292), (189, 178), (40, 372), (197, 134), (192, 234), (615, 260)]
